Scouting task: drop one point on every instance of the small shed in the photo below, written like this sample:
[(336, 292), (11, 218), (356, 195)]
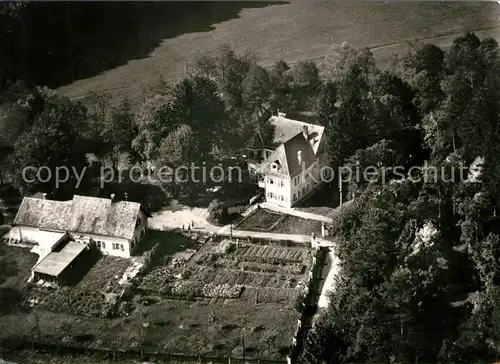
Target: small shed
[(56, 266)]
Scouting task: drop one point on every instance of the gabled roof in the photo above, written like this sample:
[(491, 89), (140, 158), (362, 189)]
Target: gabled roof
[(289, 135), (286, 129), (287, 156), (86, 215)]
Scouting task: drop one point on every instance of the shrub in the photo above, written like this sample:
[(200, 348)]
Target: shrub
[(218, 212), (299, 303), (226, 247), (128, 291), (9, 299)]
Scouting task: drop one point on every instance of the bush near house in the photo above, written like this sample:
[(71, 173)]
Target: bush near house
[(218, 213)]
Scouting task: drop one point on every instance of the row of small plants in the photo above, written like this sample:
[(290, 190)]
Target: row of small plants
[(217, 260), (192, 290), (293, 269)]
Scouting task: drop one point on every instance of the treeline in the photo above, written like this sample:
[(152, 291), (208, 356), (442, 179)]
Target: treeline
[(419, 255), (216, 109)]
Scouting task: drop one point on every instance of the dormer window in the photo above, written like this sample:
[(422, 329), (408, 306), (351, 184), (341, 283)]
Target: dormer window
[(275, 165)]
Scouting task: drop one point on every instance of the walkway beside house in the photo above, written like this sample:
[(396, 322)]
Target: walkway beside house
[(331, 269), (226, 230)]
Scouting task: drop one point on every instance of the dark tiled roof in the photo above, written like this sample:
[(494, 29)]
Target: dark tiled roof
[(86, 215), (286, 129), (287, 157)]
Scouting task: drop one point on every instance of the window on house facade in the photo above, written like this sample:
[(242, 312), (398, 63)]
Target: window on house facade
[(282, 183), (294, 196), (271, 181), (122, 248), (103, 245), (282, 198)]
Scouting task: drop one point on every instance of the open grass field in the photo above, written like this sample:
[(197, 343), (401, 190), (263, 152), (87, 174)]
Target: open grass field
[(293, 31), (15, 266), (199, 303)]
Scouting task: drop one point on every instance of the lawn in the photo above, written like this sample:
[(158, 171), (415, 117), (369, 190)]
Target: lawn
[(296, 225), (15, 266), (260, 220), (266, 220), (170, 242), (197, 304), (294, 31)]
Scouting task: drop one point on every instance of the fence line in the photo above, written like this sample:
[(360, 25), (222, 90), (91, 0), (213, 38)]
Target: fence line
[(117, 354), (304, 322)]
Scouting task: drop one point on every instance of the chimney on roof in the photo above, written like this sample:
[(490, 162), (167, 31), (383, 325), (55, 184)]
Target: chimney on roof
[(44, 196), (299, 157), (112, 197), (305, 132), (281, 114)]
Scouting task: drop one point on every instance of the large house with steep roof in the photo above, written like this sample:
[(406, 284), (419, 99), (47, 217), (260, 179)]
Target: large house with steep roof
[(114, 227), (289, 167)]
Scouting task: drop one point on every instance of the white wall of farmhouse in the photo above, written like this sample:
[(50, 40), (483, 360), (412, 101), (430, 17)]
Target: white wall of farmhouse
[(107, 244), (28, 234)]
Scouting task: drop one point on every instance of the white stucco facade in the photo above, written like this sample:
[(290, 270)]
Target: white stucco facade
[(286, 192)]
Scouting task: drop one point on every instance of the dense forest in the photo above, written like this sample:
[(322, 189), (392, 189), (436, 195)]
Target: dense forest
[(419, 255)]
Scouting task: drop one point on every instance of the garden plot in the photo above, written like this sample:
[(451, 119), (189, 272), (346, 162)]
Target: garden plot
[(94, 295), (231, 271), (225, 289), (213, 298), (259, 252)]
